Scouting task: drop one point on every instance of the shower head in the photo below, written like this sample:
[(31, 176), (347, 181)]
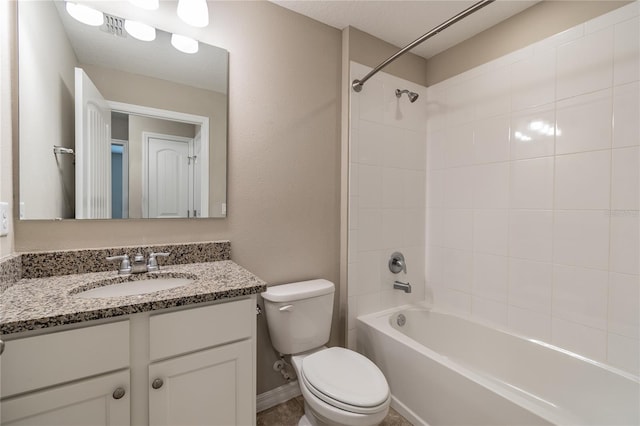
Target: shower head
[(413, 96)]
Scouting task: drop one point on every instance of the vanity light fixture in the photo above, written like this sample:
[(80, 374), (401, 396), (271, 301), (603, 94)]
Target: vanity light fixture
[(85, 14), (139, 30), (184, 44), (194, 12), (146, 4)]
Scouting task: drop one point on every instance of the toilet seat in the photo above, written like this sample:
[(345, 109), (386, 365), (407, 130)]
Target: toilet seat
[(346, 380)]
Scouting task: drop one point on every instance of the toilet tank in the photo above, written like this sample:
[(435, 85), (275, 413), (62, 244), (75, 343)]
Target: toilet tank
[(299, 315)]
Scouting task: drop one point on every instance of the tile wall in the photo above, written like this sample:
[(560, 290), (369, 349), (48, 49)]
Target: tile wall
[(386, 193), (533, 189)]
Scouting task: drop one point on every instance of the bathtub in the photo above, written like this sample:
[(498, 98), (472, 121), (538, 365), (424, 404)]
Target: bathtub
[(444, 369)]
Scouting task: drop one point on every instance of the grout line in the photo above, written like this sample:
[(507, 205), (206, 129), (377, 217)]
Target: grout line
[(556, 101), (611, 133)]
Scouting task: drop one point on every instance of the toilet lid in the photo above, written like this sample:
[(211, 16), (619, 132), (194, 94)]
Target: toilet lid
[(346, 377)]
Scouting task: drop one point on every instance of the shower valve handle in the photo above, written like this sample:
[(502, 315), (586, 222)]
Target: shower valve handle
[(397, 263)]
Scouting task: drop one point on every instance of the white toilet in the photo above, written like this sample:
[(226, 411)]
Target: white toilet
[(339, 386)]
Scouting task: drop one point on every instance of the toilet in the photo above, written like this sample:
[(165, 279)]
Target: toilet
[(339, 386)]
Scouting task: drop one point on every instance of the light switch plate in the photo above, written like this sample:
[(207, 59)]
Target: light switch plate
[(4, 219)]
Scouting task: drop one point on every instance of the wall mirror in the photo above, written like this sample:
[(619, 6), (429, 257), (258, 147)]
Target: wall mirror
[(115, 127)]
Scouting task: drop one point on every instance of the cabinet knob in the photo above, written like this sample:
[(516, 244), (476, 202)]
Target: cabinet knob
[(118, 393), (157, 383)]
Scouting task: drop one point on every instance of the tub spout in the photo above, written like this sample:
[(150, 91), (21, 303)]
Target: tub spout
[(406, 287)]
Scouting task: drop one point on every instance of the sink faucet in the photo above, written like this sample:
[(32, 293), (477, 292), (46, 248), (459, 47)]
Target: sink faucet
[(399, 285), (139, 264), (152, 263), (125, 265)]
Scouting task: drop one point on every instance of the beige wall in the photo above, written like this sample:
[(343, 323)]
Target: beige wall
[(283, 166), (47, 110), (533, 24), (7, 32), (371, 51)]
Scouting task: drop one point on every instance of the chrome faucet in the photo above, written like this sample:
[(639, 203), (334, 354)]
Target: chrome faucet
[(399, 285), (152, 263), (139, 264), (397, 263), (125, 265)]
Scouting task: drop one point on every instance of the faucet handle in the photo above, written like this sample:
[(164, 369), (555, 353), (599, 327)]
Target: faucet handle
[(125, 265), (397, 263), (152, 264)]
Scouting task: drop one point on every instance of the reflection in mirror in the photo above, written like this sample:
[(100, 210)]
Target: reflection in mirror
[(163, 129), (170, 176)]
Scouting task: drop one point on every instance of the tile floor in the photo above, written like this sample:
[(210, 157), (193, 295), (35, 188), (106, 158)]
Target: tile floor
[(288, 413)]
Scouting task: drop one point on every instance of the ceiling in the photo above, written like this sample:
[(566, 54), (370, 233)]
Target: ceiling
[(400, 22)]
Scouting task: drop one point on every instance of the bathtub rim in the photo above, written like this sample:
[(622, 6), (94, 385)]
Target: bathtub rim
[(546, 410), (367, 318)]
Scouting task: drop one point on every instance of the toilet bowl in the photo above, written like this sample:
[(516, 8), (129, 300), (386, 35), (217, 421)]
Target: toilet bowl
[(339, 386)]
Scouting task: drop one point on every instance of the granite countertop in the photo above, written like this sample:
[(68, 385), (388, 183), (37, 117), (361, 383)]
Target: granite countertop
[(39, 303)]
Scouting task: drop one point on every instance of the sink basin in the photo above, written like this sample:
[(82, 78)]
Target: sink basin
[(132, 285)]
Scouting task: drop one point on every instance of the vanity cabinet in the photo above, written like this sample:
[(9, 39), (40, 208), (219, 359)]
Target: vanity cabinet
[(190, 366), (208, 387), (76, 377), (202, 369)]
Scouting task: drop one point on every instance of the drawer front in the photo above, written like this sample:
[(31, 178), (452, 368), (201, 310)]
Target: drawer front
[(50, 359), (189, 330)]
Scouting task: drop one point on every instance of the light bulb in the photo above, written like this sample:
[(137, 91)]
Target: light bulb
[(184, 44), (139, 30), (85, 14), (194, 12)]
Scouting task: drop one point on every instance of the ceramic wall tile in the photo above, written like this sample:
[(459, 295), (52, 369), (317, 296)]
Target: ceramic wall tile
[(580, 70), (583, 123), (583, 181)]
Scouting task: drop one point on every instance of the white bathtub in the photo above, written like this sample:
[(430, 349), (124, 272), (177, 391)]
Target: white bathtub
[(443, 369)]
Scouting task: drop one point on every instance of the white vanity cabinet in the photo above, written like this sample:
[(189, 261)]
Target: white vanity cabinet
[(187, 366), (209, 387), (75, 377), (203, 366)]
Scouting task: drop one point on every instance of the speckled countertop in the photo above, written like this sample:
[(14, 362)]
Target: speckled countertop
[(40, 303)]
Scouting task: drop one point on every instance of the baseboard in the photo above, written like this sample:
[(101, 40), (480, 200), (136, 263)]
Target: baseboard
[(405, 412), (277, 396)]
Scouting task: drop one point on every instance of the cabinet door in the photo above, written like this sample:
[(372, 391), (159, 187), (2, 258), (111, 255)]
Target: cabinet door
[(210, 387), (84, 403)]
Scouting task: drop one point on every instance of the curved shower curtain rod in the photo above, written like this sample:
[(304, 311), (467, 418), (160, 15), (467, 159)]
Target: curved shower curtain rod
[(357, 84)]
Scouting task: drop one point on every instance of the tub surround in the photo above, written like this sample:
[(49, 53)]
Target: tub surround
[(49, 299), (538, 231)]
